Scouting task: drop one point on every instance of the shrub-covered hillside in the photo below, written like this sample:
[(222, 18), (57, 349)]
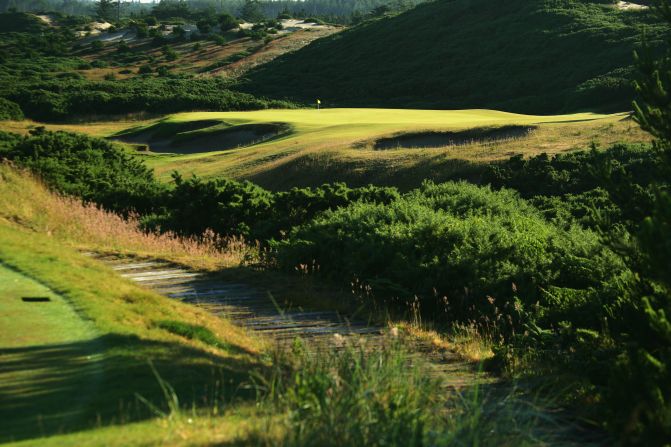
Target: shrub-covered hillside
[(41, 76), (531, 56)]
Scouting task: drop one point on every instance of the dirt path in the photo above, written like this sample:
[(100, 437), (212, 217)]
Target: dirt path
[(255, 309)]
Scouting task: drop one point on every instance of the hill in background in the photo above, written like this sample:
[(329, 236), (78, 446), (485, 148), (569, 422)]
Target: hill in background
[(528, 56)]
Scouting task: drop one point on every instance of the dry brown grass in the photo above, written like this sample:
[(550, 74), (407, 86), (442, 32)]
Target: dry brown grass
[(192, 61), (96, 129), (27, 202), (467, 341), (277, 47)]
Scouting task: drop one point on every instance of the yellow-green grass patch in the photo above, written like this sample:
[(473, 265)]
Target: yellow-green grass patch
[(37, 248), (33, 388), (339, 144)]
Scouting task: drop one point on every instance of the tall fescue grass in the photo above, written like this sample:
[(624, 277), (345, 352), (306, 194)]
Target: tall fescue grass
[(385, 396), (24, 200)]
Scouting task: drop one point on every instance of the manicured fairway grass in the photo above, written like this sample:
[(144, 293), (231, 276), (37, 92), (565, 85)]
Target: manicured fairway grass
[(312, 147), (43, 346), (186, 430), (339, 144)]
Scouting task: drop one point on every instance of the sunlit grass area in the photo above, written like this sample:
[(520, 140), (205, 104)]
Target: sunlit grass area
[(81, 358), (339, 144), (310, 147)]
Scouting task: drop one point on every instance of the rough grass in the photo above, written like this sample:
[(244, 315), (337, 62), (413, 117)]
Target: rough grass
[(387, 397), (530, 56), (28, 203), (38, 236), (203, 61), (339, 145)]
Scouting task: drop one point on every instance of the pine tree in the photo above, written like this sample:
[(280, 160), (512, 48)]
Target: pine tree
[(641, 390), (105, 10), (251, 11)]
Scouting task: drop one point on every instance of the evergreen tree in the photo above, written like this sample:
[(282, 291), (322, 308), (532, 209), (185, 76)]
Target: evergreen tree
[(251, 11), (227, 22), (641, 392), (105, 10)]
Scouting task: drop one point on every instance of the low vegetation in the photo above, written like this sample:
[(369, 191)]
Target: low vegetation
[(538, 56), (357, 397), (335, 145), (550, 263), (41, 73), (122, 316), (533, 278)]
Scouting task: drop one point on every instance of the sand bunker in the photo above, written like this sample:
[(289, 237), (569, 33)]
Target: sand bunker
[(626, 6), (421, 140), (203, 136), (230, 138)]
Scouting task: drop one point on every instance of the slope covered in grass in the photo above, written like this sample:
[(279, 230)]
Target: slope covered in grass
[(531, 56), (109, 331), (342, 145)]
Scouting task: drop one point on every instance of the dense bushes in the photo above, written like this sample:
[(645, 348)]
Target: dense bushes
[(528, 56), (596, 188), (90, 168), (60, 100), (10, 110), (464, 251), (242, 208), (100, 171)]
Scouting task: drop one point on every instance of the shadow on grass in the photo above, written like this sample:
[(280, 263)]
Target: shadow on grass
[(53, 389), (316, 169)]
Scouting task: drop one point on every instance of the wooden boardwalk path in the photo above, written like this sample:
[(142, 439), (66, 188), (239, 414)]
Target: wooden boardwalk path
[(255, 309)]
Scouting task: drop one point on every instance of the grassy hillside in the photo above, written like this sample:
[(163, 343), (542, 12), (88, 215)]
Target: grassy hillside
[(530, 56), (78, 360), (348, 144)]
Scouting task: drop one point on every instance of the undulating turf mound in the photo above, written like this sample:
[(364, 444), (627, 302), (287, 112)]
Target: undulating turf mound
[(202, 135), (460, 138), (529, 56)]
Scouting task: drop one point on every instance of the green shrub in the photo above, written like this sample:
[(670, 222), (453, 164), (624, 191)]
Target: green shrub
[(91, 168), (596, 188), (10, 110), (99, 64), (241, 208), (225, 206), (170, 53), (464, 251), (97, 45), (227, 22), (123, 47)]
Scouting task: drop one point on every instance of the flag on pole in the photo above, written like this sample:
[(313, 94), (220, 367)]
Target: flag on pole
[(318, 103)]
